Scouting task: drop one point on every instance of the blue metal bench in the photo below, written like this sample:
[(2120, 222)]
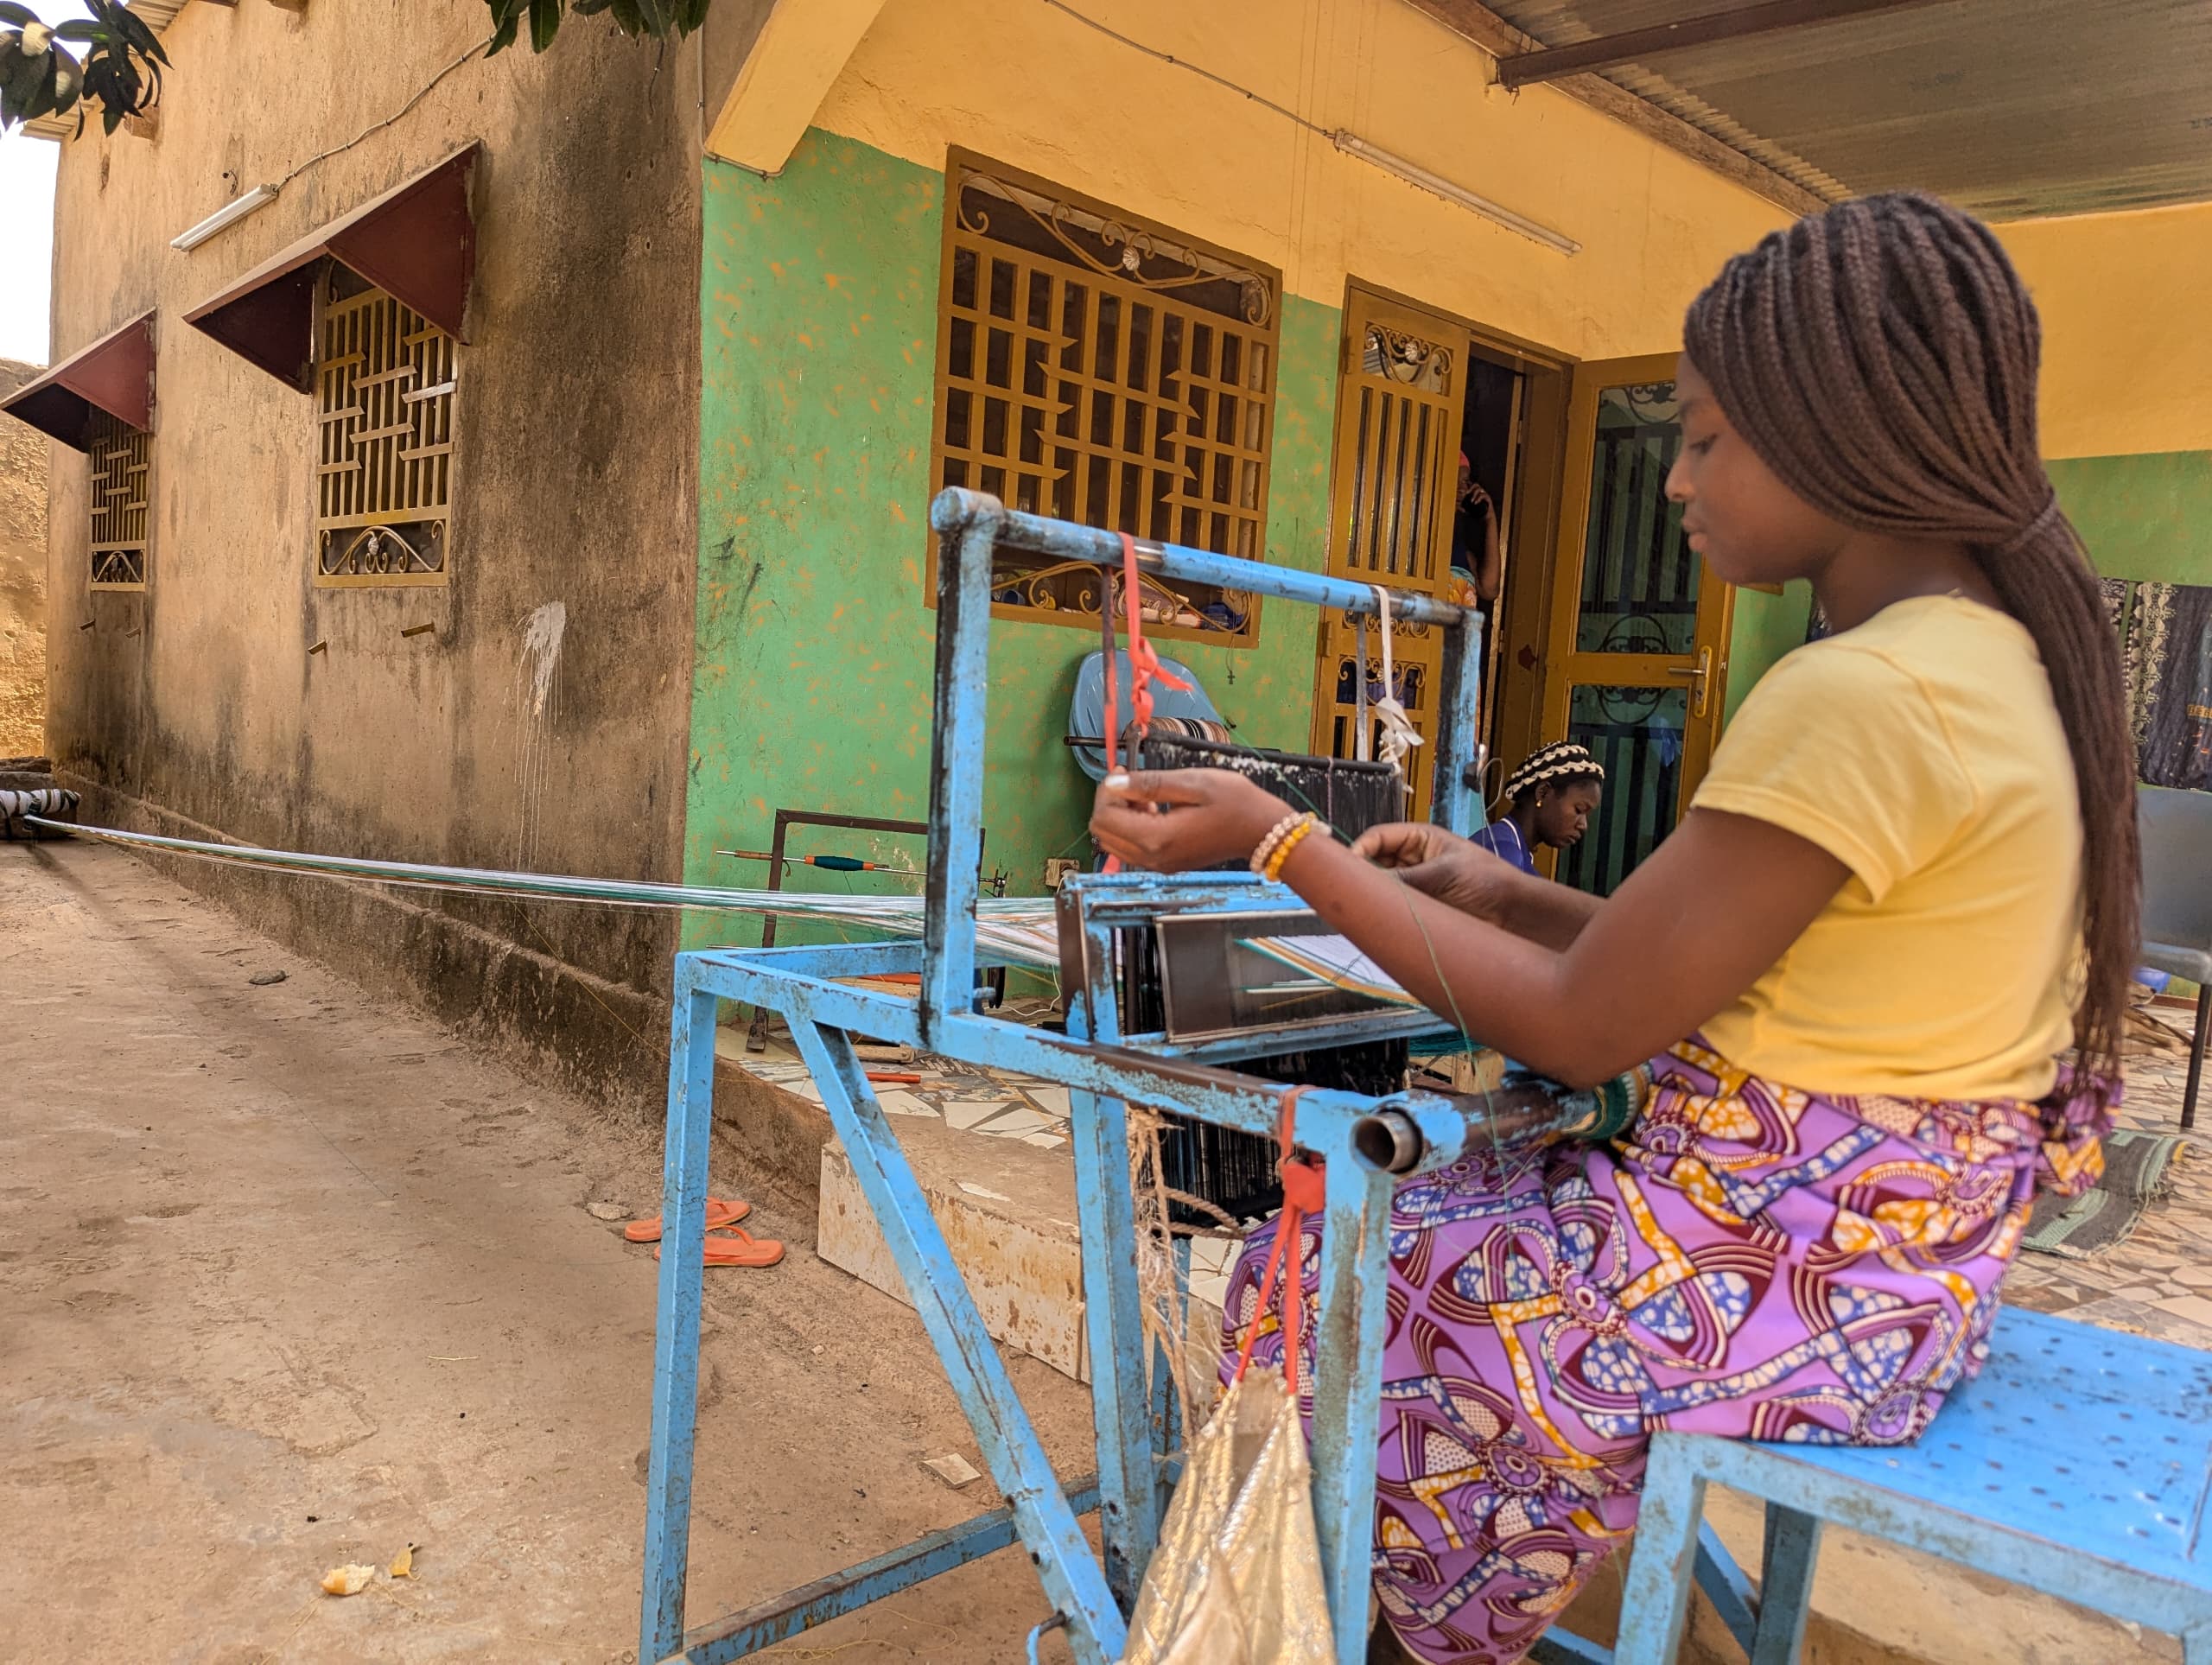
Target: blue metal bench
[(2077, 1463)]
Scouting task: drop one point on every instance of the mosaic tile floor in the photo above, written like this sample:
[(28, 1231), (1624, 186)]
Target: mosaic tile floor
[(2158, 1283)]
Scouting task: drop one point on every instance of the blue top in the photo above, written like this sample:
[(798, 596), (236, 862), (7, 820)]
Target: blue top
[(1503, 839)]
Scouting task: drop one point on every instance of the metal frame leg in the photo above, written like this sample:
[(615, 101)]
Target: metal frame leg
[(1074, 1582), (1348, 1389), (2196, 1057), (1724, 1585), (1793, 1549), (1128, 1491), (1660, 1568), (676, 1331)]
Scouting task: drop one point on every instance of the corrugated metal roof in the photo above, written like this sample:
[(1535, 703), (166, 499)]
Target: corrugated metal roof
[(158, 16), (2011, 108)]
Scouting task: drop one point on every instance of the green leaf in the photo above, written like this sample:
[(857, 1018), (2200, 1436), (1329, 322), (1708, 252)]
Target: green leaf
[(78, 29), (143, 39), (544, 23), (20, 16)]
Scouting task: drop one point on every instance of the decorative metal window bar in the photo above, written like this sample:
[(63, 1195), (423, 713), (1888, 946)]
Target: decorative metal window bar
[(384, 384), (1096, 370), (122, 459)]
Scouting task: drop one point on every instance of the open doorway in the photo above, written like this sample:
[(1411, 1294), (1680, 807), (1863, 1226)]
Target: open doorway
[(1491, 504), (1420, 390)]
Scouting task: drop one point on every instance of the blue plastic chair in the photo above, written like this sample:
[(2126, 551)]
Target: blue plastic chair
[(2177, 829), (1087, 711), (2077, 1463)]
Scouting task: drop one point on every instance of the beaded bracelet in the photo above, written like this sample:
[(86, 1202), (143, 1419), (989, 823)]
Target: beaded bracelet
[(1291, 840), (1266, 848)]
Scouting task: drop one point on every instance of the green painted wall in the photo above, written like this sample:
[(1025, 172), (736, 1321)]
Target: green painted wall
[(2146, 516), (1766, 627), (812, 672)]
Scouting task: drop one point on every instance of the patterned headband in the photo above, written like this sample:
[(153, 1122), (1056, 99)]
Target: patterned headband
[(1561, 760)]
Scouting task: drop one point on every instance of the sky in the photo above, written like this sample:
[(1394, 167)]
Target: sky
[(27, 200)]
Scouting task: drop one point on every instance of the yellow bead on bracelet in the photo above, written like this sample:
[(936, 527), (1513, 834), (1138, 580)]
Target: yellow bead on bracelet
[(1290, 841)]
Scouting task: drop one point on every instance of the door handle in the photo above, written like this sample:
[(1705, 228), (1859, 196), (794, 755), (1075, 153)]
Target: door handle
[(1700, 676)]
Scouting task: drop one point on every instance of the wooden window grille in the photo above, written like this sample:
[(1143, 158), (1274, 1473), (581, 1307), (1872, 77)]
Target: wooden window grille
[(384, 475), (1097, 370), (121, 465)]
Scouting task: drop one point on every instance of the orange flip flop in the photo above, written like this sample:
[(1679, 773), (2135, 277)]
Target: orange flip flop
[(737, 1246), (720, 1211)]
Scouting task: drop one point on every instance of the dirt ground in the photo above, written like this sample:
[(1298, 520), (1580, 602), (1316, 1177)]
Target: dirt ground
[(288, 1279)]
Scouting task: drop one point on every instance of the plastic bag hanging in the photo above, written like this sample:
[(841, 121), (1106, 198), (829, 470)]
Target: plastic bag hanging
[(1236, 1579)]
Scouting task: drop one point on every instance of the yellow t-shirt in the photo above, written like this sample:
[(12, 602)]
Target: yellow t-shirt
[(1923, 751)]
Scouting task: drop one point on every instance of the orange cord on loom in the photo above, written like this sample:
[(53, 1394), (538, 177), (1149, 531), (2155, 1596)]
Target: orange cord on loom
[(1144, 665), (1304, 1192)]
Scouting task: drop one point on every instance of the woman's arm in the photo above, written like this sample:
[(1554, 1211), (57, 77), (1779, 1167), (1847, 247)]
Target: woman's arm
[(1715, 906), (1462, 874), (1489, 566)]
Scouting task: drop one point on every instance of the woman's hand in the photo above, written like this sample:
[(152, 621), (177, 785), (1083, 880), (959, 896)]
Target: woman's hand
[(1207, 816), (1456, 872)]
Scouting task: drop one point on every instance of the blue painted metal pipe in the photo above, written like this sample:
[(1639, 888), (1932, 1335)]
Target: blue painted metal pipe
[(954, 511), (781, 1618)]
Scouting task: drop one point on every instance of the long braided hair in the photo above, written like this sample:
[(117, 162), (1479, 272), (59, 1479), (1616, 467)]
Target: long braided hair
[(1880, 358)]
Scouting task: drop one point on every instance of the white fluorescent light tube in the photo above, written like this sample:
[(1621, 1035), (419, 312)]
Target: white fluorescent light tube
[(229, 215), (1412, 173)]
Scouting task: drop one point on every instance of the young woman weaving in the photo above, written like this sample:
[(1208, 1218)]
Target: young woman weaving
[(1906, 885), (1548, 802)]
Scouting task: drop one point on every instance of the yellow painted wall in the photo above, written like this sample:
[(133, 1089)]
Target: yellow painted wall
[(2127, 353), (2128, 359), (1029, 84)]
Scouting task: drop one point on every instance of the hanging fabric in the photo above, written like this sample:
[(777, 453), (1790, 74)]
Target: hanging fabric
[(1399, 734)]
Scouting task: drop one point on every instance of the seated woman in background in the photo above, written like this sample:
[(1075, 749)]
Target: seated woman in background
[(1840, 986), (1548, 801)]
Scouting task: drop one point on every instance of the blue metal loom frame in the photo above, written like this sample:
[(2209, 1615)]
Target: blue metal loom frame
[(1136, 1421)]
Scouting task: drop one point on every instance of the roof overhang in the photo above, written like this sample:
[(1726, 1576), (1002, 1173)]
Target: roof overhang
[(114, 374), (417, 242)]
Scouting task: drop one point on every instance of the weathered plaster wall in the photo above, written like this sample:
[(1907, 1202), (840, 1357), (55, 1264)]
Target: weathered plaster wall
[(815, 645), (195, 703), (819, 295), (22, 578)]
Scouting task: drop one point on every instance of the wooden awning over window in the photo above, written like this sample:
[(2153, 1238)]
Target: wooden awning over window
[(115, 374), (417, 242)]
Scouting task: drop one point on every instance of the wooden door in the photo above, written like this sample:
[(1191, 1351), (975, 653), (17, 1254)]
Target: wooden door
[(1394, 478), (1637, 653)]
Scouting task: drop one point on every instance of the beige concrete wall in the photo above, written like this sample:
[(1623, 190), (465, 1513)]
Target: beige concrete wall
[(22, 577), (196, 704)]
